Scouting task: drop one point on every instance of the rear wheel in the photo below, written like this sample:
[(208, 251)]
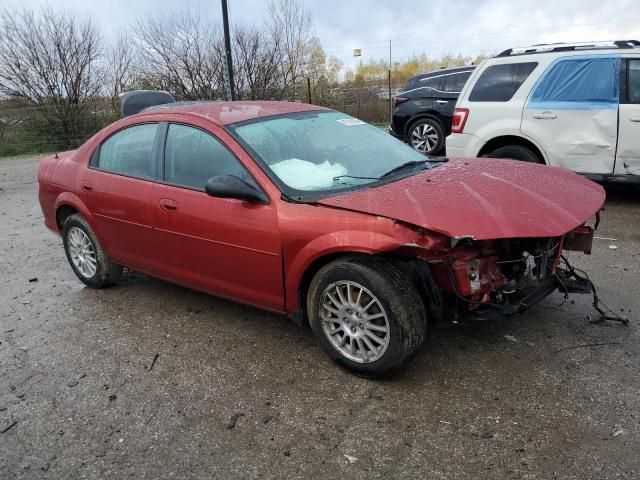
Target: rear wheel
[(86, 256), (515, 152), (366, 314), (427, 136)]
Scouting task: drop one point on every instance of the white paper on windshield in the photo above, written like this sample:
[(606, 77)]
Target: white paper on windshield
[(304, 175), (350, 122)]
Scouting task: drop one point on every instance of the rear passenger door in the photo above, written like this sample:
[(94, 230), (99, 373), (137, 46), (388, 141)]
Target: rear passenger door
[(628, 153), (573, 113), (116, 188), (224, 246)]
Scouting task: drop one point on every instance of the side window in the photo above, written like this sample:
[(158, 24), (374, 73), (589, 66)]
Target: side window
[(633, 81), (454, 83), (499, 83), (192, 157), (585, 80), (434, 84), (129, 151)]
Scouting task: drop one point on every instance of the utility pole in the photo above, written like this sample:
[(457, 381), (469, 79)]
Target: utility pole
[(390, 99), (227, 64)]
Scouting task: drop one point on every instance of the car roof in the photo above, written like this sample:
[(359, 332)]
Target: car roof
[(443, 71), (579, 48), (226, 113)]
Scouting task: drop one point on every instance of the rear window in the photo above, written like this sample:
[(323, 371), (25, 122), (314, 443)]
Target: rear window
[(582, 82), (432, 84), (499, 83), (455, 82)]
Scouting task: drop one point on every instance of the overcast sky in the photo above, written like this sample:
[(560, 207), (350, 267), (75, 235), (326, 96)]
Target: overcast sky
[(431, 26)]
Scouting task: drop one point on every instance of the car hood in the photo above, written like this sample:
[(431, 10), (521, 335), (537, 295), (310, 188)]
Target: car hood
[(483, 198)]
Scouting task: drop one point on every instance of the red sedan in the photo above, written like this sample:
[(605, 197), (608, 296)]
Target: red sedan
[(314, 214)]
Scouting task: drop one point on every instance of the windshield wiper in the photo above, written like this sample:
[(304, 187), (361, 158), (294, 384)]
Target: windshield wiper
[(404, 166), (335, 179)]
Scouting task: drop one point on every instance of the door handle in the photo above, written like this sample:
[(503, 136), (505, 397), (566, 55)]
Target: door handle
[(442, 102), (168, 205), (545, 116), (86, 186), (635, 119)]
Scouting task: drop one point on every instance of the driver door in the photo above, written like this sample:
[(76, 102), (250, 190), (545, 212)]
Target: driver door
[(224, 246)]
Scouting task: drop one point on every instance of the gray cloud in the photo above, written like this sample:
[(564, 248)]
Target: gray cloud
[(457, 26)]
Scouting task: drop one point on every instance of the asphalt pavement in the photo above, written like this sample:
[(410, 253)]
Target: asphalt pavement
[(151, 380)]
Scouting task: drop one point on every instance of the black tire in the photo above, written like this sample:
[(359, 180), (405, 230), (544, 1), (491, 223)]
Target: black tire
[(106, 271), (438, 130), (515, 152), (398, 296)]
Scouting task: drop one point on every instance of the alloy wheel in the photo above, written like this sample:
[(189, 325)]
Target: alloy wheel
[(354, 321), (82, 252), (424, 138)]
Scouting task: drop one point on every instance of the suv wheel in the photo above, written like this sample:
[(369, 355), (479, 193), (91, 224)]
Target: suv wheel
[(515, 152), (427, 136), (366, 314)]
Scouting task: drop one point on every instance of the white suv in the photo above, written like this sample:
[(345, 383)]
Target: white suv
[(574, 106)]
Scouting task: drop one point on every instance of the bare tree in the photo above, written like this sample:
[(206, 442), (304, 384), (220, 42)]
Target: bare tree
[(121, 58), (52, 61), (181, 53), (256, 66), (290, 28)]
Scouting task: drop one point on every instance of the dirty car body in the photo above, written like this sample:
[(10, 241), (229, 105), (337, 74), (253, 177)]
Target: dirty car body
[(305, 209)]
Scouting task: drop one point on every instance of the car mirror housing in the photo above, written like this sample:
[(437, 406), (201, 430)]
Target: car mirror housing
[(230, 186)]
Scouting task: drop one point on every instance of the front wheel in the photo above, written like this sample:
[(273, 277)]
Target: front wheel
[(86, 256), (366, 314)]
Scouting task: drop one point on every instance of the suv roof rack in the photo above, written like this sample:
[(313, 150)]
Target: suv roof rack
[(567, 47)]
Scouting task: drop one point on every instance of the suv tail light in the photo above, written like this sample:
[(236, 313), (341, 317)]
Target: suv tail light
[(399, 100), (460, 116)]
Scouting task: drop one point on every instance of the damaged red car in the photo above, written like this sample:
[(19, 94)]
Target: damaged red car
[(311, 213)]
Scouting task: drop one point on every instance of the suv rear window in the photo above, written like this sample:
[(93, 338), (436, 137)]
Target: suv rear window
[(499, 83)]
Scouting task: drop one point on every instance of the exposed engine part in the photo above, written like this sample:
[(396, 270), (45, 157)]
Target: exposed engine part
[(511, 276), (574, 280)]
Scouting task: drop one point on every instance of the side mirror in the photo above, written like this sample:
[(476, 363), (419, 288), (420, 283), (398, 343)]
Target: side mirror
[(230, 186)]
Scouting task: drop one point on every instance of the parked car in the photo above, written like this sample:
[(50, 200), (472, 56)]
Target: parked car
[(575, 106), (311, 213), (422, 113)]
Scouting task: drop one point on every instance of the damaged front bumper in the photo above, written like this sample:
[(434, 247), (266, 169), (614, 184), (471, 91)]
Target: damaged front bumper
[(484, 280)]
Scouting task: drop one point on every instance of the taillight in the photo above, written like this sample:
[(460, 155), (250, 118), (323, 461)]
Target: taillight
[(399, 100), (460, 116)]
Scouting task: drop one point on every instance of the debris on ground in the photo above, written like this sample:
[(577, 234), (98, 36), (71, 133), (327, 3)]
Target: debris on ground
[(350, 459), (33, 280), (8, 427), (153, 362), (233, 419), (617, 430), (511, 338), (72, 383)]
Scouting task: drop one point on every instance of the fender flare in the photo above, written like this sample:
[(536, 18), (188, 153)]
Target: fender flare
[(328, 246), (72, 200)]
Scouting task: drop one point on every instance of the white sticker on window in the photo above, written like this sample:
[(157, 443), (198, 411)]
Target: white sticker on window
[(350, 122)]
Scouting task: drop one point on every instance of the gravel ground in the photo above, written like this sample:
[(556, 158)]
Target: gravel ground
[(140, 380)]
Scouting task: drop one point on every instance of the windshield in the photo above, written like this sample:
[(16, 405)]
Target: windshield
[(324, 150)]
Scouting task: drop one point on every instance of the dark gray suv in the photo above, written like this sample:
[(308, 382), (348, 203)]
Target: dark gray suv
[(422, 113)]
